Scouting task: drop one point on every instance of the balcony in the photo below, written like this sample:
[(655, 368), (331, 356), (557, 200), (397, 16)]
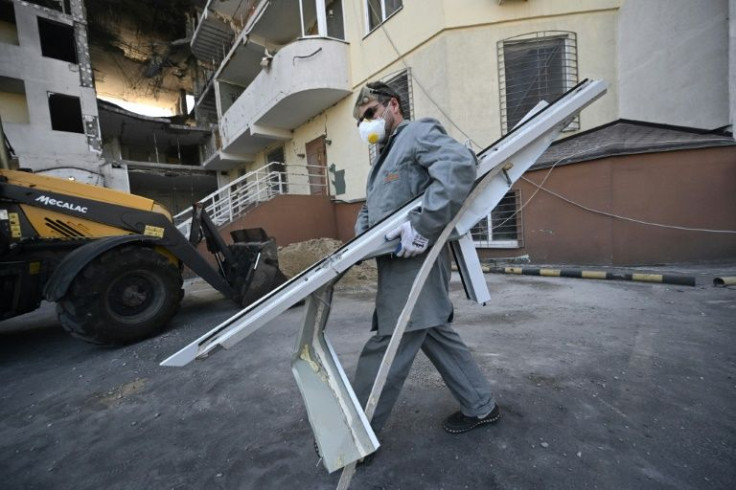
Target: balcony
[(304, 78), (212, 38)]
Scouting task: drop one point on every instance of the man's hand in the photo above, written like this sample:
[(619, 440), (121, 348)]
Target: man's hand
[(412, 243)]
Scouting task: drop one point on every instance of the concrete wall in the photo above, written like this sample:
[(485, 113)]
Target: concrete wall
[(674, 62), (689, 188), (290, 219), (345, 215)]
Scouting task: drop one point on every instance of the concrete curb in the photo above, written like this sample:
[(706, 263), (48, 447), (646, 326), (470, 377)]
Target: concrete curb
[(583, 274), (725, 281)]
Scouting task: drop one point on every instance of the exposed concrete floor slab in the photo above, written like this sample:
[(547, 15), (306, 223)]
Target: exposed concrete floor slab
[(602, 384)]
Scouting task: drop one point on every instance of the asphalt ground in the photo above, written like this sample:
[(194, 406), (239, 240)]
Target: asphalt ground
[(601, 384)]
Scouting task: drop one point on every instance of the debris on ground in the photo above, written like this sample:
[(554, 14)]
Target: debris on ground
[(296, 257)]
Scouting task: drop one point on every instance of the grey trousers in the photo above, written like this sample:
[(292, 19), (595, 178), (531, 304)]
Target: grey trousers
[(449, 355)]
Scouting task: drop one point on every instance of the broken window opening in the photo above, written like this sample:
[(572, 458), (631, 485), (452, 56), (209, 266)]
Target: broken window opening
[(8, 26), (13, 101), (63, 6), (57, 40), (66, 113)]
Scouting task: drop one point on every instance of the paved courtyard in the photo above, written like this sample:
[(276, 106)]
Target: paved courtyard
[(602, 384)]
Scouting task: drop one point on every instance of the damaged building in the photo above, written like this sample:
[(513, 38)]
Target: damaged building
[(63, 76)]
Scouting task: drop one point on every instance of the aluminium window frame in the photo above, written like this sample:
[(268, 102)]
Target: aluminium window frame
[(488, 242), (384, 17), (322, 30)]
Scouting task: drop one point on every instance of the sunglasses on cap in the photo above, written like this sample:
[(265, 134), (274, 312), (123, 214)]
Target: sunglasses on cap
[(369, 114)]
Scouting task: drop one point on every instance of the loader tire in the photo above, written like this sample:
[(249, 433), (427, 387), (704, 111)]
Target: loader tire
[(123, 296)]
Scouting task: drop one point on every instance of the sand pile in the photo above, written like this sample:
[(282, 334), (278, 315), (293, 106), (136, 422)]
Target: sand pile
[(296, 257)]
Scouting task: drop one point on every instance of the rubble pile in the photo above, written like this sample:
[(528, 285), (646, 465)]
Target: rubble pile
[(296, 257)]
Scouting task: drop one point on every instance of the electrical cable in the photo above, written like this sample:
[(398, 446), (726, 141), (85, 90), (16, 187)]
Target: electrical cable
[(625, 218), (419, 83)]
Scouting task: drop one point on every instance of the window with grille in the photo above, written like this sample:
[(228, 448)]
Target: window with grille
[(502, 228), (401, 83), (377, 11), (535, 67)]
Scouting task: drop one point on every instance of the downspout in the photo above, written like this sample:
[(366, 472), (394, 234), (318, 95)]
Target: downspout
[(4, 157)]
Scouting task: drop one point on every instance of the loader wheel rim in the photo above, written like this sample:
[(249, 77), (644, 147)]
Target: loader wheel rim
[(135, 296)]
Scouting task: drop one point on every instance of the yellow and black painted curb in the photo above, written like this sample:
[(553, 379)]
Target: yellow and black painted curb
[(725, 281), (583, 274)]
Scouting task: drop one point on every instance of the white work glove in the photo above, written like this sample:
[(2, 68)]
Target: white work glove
[(412, 243)]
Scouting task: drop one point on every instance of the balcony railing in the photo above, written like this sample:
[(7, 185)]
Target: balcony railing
[(243, 194)]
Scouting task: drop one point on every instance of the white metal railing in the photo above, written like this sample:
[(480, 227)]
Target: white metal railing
[(235, 199)]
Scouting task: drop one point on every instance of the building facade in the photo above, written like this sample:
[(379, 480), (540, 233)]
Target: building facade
[(275, 86), (278, 79), (56, 125)]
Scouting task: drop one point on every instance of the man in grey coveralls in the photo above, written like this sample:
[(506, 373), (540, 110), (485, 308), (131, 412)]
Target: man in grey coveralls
[(413, 158)]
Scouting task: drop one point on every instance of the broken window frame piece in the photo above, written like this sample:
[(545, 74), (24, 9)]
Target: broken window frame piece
[(57, 40), (65, 113)]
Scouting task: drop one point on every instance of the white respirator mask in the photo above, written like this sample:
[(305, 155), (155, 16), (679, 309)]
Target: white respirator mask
[(372, 131)]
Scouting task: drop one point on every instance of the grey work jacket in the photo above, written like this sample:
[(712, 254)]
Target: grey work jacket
[(418, 157)]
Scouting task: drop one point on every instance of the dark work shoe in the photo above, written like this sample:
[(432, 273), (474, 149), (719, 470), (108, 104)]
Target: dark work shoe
[(457, 423)]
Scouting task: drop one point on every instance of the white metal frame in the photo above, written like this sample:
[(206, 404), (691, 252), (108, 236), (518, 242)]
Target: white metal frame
[(490, 242), (322, 31)]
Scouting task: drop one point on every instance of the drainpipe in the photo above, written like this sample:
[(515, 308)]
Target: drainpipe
[(4, 158)]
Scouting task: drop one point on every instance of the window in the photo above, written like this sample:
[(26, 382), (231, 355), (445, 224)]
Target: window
[(57, 40), (502, 228), (8, 28), (378, 11), (401, 83), (322, 18), (66, 113), (535, 67), (13, 101)]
